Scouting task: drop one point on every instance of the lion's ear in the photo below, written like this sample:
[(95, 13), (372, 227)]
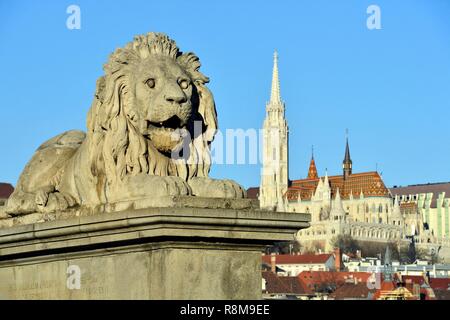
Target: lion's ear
[(207, 109), (191, 63)]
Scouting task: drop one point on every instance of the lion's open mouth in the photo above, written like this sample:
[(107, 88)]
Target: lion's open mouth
[(172, 123)]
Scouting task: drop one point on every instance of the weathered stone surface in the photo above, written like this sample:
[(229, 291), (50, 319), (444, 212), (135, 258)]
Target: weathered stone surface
[(154, 253), (150, 127), (3, 214)]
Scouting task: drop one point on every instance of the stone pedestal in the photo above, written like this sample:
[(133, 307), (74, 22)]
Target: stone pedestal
[(154, 253)]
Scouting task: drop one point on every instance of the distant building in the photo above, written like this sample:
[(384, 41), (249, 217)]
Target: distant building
[(5, 191), (426, 210), (293, 264)]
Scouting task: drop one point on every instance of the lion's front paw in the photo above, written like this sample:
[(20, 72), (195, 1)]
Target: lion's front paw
[(173, 186), (54, 201), (144, 185), (212, 188)]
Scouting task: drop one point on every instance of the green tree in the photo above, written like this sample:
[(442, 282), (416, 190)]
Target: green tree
[(345, 243)]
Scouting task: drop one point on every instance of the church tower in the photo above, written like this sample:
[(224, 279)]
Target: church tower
[(274, 179), (347, 163), (312, 171)]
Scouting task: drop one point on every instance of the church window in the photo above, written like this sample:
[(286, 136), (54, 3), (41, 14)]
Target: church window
[(380, 220)]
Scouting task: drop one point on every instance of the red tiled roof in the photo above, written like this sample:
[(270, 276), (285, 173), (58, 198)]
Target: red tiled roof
[(439, 283), (283, 285), (297, 259), (253, 193), (312, 279), (5, 190), (370, 183), (359, 290)]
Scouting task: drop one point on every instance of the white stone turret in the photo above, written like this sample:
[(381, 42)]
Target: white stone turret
[(326, 189), (396, 217), (274, 179), (337, 210)]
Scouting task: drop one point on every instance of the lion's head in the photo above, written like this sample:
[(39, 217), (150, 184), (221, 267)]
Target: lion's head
[(152, 113)]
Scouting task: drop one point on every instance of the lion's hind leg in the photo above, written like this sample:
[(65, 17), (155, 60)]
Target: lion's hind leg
[(36, 190)]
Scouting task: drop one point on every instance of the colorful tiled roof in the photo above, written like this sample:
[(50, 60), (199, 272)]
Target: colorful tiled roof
[(369, 183), (312, 171)]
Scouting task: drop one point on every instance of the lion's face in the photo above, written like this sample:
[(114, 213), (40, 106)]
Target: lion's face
[(162, 100)]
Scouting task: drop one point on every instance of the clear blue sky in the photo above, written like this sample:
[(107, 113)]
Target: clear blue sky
[(390, 87)]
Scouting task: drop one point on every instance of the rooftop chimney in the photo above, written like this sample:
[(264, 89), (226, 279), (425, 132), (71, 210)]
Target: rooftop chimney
[(273, 263), (338, 259)]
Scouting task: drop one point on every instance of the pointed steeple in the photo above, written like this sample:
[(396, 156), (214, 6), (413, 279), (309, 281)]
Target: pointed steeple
[(312, 171), (326, 182), (275, 175), (347, 163), (275, 96)]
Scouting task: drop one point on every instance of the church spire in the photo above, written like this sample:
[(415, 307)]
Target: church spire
[(275, 176), (347, 163), (275, 96), (312, 172)]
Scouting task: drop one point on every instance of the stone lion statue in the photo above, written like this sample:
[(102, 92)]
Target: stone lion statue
[(149, 131)]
